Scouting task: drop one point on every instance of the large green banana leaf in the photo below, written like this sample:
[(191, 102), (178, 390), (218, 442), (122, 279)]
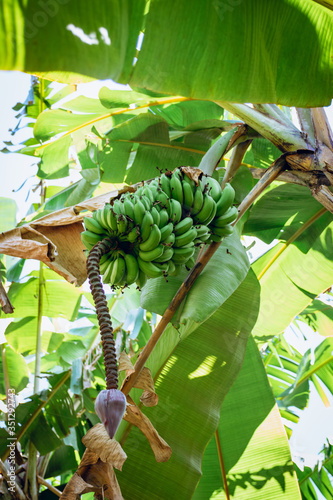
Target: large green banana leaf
[(255, 454), (191, 379), (291, 274), (218, 50)]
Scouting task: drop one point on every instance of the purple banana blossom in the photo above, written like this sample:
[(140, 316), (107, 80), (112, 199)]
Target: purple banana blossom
[(110, 406)]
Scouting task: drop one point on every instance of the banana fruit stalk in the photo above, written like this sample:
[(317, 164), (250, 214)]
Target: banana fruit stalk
[(157, 229)]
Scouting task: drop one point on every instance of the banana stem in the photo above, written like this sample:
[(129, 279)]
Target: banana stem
[(235, 161), (104, 319)]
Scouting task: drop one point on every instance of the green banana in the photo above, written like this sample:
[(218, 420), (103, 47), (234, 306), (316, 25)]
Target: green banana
[(132, 268), (139, 211), (133, 235), (166, 231), (165, 184), (99, 216), (227, 218), (190, 263), (149, 268), (152, 241), (187, 194), (176, 187), (129, 208), (181, 255), (164, 218), (90, 239), (183, 226), (122, 224), (156, 215), (175, 211), (93, 226), (147, 191), (118, 207), (118, 270), (166, 255), (177, 268), (146, 226), (206, 210), (108, 271), (222, 231), (185, 238), (142, 279), (169, 241), (214, 188), (226, 200), (198, 201), (164, 266), (111, 219)]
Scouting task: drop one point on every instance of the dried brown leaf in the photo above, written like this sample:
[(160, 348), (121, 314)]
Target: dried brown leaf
[(145, 380), (134, 416), (108, 450), (4, 301), (193, 173), (149, 398), (93, 475), (125, 363)]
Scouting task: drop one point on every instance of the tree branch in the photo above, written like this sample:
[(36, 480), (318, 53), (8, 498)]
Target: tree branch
[(324, 196)]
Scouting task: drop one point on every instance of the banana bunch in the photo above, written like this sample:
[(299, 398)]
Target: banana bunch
[(157, 229)]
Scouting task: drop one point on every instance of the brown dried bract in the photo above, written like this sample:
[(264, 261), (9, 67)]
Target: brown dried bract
[(93, 475), (134, 416), (108, 450)]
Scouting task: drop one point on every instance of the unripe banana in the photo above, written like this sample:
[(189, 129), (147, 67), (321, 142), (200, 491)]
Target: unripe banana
[(227, 218), (183, 226), (166, 231), (142, 279), (129, 208), (99, 216), (147, 191), (156, 215), (188, 195), (185, 238), (164, 266), (175, 211), (139, 211), (190, 263), (222, 231), (198, 201), (206, 210), (118, 207), (152, 241), (169, 241), (122, 224), (90, 239), (108, 271), (176, 187), (132, 268), (177, 268), (214, 188), (149, 268), (182, 255), (118, 270), (165, 184), (111, 219), (226, 200), (146, 202), (164, 218), (166, 255), (146, 226), (133, 235), (93, 226), (162, 200), (151, 254)]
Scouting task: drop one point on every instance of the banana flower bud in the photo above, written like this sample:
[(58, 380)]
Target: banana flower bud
[(110, 406)]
